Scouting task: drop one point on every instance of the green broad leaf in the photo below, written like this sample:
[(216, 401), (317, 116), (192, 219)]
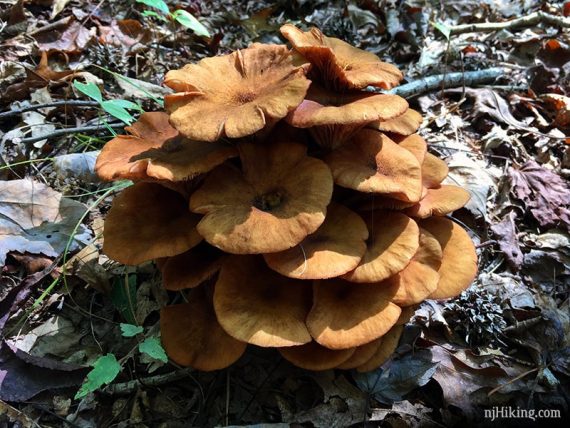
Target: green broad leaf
[(126, 104), (104, 371), (116, 110), (89, 89), (152, 347), (153, 14), (157, 4), (130, 330), (124, 297), (443, 29), (187, 20)]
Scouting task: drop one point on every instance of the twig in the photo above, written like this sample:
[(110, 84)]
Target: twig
[(16, 417), (130, 386), (75, 103), (524, 21), (450, 80), (66, 131)]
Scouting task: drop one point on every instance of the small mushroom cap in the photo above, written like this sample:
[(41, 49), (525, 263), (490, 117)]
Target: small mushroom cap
[(420, 277), (191, 336), (279, 199), (385, 350), (334, 249), (190, 269), (361, 354), (345, 65), (150, 131), (235, 95), (257, 305), (439, 201), (393, 241), (415, 145), (313, 356), (345, 315), (434, 170), (459, 260), (405, 124), (148, 221)]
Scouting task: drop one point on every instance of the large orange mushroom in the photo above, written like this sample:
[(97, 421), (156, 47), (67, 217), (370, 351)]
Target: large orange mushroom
[(387, 347), (313, 356)]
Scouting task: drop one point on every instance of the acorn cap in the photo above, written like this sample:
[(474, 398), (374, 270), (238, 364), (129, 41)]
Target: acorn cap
[(459, 260), (405, 124), (148, 221), (345, 315), (257, 305), (439, 201), (361, 354), (313, 356), (385, 350), (334, 249)]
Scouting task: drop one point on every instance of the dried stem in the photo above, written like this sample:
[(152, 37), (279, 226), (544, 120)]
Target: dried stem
[(524, 21)]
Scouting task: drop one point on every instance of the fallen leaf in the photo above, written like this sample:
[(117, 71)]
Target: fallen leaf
[(73, 38), (508, 241), (560, 104), (128, 34), (77, 165), (57, 7)]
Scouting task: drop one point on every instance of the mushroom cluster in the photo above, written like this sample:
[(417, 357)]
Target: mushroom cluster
[(298, 209)]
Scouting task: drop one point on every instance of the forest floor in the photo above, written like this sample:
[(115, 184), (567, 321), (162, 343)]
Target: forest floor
[(503, 344)]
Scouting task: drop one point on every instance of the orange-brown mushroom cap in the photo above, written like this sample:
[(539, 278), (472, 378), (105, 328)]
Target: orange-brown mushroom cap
[(235, 95), (279, 199), (459, 260), (334, 249), (257, 305), (345, 315), (407, 314), (415, 145), (313, 356), (385, 350), (371, 162), (405, 124), (340, 64), (393, 241), (361, 354), (191, 336), (439, 201), (148, 221), (434, 170)]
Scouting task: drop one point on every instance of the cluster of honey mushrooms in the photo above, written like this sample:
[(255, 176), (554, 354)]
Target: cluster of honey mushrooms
[(302, 211)]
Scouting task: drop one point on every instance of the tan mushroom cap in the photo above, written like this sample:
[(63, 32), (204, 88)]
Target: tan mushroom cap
[(313, 356), (420, 277), (148, 221), (361, 354), (345, 315), (257, 305), (434, 170), (393, 241), (407, 314), (191, 336), (150, 131), (235, 95), (279, 199), (339, 63), (190, 269), (459, 262), (416, 145), (439, 201), (385, 350), (334, 249), (405, 124)]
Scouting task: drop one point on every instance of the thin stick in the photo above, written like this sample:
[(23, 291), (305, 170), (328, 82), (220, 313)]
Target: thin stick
[(130, 386), (75, 103), (524, 21), (66, 131)]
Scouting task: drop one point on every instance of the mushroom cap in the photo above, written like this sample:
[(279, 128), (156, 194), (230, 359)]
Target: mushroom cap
[(191, 336), (345, 65), (393, 241), (190, 269), (257, 305), (459, 260), (405, 124), (415, 145), (334, 249), (235, 95), (434, 170), (148, 221), (420, 277), (345, 315), (407, 314), (313, 356), (371, 162), (149, 132), (439, 201), (279, 199), (361, 354), (385, 350)]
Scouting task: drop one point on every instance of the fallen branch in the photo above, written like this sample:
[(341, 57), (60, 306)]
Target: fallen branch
[(524, 21), (67, 131), (74, 103), (449, 80), (158, 380)]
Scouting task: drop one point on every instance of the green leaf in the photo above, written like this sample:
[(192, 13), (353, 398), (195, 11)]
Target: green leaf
[(157, 4), (126, 104), (130, 330), (152, 347), (124, 296), (154, 14), (89, 89), (104, 371), (443, 29), (187, 19), (116, 110)]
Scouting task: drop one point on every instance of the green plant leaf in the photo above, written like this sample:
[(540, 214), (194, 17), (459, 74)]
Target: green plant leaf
[(187, 19), (127, 104), (124, 296), (89, 89), (154, 14), (130, 330), (115, 109), (152, 347), (157, 4), (104, 371), (443, 29)]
